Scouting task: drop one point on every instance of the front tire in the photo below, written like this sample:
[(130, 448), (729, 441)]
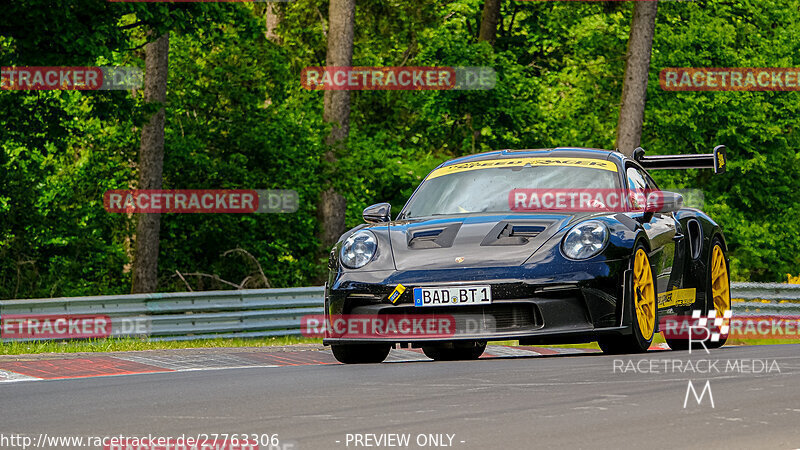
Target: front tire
[(455, 351), (360, 353), (643, 308)]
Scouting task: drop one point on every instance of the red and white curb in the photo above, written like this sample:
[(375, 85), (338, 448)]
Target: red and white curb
[(10, 377), (54, 367)]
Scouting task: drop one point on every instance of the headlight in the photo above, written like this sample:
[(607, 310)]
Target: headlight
[(585, 239), (359, 249)]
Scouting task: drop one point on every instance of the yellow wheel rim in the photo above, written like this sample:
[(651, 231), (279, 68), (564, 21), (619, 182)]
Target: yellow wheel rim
[(644, 294), (720, 287)]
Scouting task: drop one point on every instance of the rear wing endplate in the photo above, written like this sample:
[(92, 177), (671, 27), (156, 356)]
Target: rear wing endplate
[(716, 160)]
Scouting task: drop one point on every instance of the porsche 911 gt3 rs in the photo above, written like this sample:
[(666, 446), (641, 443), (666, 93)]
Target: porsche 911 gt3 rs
[(562, 245)]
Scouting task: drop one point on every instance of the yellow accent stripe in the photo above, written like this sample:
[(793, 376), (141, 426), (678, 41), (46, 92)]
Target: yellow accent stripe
[(677, 297), (522, 162)]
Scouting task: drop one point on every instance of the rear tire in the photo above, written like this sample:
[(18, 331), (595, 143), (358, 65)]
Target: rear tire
[(643, 309), (718, 297), (360, 353), (455, 351), (719, 287)]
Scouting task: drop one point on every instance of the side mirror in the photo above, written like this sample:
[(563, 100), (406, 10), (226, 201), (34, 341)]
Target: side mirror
[(668, 202), (377, 213), (659, 202)]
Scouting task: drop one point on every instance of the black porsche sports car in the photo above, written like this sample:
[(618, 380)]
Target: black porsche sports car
[(561, 245)]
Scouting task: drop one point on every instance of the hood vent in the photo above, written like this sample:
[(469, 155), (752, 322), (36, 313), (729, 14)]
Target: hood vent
[(438, 237), (526, 231), (507, 233)]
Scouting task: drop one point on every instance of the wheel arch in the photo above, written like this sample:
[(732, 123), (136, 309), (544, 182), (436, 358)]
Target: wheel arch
[(626, 283), (695, 267)]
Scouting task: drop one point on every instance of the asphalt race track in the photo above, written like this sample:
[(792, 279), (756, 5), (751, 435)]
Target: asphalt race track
[(536, 398)]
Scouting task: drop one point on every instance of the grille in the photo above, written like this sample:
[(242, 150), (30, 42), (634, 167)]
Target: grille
[(481, 319)]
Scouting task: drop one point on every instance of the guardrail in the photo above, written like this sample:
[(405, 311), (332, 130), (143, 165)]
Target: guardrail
[(277, 312), (188, 315), (765, 299)]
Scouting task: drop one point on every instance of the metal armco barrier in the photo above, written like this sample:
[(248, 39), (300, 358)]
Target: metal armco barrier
[(187, 315), (765, 299), (277, 312)]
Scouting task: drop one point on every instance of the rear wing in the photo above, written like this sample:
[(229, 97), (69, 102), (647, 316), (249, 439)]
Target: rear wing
[(716, 160)]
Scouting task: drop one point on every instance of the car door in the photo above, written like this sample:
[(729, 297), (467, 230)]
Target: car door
[(661, 229)]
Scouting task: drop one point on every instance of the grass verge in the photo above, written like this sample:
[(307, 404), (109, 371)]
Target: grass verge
[(131, 344)]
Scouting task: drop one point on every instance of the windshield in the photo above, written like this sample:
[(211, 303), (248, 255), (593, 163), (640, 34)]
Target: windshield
[(486, 188)]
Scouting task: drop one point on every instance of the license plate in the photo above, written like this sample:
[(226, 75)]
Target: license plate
[(453, 296)]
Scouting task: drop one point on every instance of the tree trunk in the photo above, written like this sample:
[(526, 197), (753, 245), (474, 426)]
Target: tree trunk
[(151, 165), (489, 19), (332, 205), (272, 18), (637, 68), (340, 53)]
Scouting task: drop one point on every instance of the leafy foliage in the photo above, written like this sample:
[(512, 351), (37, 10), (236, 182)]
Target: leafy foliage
[(237, 117)]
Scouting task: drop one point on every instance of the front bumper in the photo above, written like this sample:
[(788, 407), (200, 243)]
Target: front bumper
[(529, 303)]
